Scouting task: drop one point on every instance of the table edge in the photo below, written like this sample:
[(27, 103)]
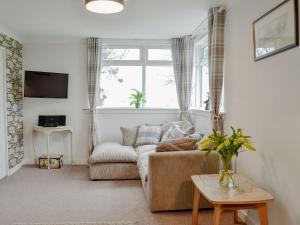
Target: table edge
[(230, 202)]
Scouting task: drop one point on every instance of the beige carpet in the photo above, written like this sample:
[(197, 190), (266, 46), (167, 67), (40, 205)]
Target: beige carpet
[(81, 224), (66, 196)]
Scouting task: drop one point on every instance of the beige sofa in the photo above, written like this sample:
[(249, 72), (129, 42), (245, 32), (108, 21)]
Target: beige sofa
[(165, 176)]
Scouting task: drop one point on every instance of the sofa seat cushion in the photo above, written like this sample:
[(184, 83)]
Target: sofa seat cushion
[(145, 148), (113, 153), (143, 157)]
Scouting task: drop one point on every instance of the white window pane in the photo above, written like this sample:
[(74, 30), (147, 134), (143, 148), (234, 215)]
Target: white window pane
[(205, 84), (200, 81), (193, 92), (160, 87), (196, 85), (116, 84), (120, 54), (205, 53), (196, 82), (197, 57), (160, 54)]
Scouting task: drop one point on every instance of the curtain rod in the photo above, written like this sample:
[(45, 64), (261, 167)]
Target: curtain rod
[(201, 29)]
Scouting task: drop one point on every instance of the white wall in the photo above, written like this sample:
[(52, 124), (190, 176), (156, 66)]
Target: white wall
[(8, 32), (110, 120), (202, 121), (64, 58), (263, 98)]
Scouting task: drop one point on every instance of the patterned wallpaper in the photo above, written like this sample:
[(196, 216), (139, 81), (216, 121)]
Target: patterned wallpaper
[(14, 99)]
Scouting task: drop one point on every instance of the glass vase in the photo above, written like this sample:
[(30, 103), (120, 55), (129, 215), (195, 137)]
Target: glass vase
[(226, 175)]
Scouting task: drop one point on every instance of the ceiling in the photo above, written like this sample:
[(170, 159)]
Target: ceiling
[(141, 19)]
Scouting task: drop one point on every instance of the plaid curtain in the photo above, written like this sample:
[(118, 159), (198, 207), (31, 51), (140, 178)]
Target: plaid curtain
[(182, 53), (216, 25), (94, 47)]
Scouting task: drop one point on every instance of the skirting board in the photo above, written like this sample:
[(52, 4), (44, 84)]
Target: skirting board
[(15, 169), (75, 162)]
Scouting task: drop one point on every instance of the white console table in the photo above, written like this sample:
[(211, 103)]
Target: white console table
[(47, 131)]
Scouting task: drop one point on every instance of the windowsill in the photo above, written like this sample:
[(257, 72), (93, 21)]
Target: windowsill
[(131, 110), (128, 110), (199, 110)]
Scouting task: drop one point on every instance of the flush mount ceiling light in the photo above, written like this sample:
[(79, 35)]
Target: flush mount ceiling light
[(104, 6)]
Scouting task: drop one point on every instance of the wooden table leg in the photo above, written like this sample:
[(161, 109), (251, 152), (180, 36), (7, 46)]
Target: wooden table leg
[(196, 206), (217, 214), (263, 214), (235, 217)]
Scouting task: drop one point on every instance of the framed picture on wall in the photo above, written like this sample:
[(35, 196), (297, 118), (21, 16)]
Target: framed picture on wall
[(277, 30)]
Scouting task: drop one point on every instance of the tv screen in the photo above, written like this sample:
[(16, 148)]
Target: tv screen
[(45, 85)]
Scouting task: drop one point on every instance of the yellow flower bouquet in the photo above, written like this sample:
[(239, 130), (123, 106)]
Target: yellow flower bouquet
[(227, 147)]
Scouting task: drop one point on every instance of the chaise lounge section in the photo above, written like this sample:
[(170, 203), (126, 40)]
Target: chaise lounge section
[(113, 161)]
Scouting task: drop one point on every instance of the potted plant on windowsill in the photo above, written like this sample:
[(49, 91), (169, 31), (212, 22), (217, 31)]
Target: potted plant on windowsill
[(137, 98), (227, 147)]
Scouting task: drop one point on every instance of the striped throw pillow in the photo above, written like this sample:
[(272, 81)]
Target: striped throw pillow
[(148, 135)]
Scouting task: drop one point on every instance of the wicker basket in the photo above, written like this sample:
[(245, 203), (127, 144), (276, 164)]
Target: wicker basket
[(56, 161)]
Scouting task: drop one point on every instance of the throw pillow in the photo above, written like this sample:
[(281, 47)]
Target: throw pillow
[(148, 135), (185, 126), (174, 132), (197, 136), (182, 144), (129, 135), (165, 127), (177, 129)]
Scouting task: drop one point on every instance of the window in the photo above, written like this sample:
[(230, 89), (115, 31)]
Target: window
[(116, 84), (200, 84), (147, 69), (160, 87)]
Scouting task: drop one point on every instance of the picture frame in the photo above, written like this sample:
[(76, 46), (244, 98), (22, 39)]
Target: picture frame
[(277, 30)]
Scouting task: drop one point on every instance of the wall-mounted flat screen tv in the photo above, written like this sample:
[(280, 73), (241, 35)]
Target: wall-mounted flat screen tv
[(45, 85)]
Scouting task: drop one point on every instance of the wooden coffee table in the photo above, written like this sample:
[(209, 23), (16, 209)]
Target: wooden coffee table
[(244, 197)]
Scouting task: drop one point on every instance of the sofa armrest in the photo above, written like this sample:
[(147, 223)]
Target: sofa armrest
[(169, 175)]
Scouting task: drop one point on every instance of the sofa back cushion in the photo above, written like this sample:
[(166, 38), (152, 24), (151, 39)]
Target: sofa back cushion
[(148, 135), (181, 144), (129, 135)]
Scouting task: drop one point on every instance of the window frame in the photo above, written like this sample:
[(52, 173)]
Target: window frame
[(144, 62), (199, 62)]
